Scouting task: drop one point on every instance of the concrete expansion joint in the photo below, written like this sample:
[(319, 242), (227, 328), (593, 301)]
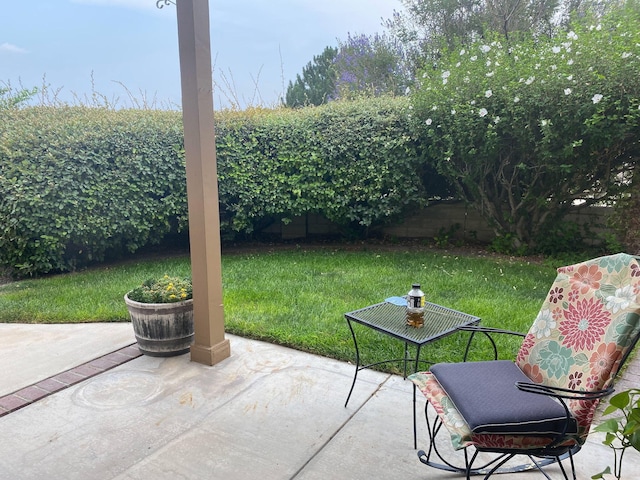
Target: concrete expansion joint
[(340, 428)]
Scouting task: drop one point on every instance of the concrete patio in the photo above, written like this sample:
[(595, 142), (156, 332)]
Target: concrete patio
[(266, 412)]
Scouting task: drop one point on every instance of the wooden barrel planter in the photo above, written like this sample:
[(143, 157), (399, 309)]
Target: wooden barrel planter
[(162, 329)]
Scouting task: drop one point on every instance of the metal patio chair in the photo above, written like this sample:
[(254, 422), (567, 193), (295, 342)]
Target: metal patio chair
[(541, 405)]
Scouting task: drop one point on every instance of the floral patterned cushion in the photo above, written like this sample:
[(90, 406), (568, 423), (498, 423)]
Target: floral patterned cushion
[(585, 327)]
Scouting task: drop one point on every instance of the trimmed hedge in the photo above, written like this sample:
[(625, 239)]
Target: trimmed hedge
[(80, 184), (353, 162)]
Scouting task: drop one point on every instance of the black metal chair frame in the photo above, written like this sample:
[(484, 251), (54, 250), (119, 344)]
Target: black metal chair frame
[(552, 453)]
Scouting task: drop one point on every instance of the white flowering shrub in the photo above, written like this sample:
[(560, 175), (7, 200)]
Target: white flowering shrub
[(530, 130)]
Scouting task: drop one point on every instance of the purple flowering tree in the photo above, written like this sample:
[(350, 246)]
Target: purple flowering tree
[(370, 65)]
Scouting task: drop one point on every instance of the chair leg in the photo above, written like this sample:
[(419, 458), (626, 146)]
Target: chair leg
[(504, 458), (493, 466), (447, 464)]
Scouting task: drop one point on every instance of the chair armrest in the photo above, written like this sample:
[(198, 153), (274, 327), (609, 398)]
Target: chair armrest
[(487, 331), (562, 394)]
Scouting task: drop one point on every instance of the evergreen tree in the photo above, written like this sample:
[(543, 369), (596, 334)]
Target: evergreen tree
[(317, 83)]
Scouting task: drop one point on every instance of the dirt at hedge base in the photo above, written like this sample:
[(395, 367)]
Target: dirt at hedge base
[(413, 245)]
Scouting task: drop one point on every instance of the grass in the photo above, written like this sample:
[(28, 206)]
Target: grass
[(298, 297)]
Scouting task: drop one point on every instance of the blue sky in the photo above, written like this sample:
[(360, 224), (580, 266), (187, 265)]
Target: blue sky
[(124, 48)]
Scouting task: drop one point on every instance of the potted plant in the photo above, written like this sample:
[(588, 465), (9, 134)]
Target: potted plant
[(622, 431), (161, 311)]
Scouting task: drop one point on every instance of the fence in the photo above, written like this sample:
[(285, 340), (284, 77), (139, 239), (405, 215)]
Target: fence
[(454, 218)]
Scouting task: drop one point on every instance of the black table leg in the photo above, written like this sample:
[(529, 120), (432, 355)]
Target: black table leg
[(355, 375)]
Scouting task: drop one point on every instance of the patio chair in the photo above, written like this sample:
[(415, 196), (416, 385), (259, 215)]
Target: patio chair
[(541, 405)]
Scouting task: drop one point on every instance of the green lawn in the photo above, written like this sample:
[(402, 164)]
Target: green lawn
[(298, 297)]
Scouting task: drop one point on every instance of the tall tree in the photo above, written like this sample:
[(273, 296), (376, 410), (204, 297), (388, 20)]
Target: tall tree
[(425, 27), (317, 82)]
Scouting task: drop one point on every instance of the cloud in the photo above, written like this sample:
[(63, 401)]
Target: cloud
[(133, 4), (10, 48)]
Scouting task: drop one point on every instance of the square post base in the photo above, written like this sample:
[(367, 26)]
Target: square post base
[(211, 355)]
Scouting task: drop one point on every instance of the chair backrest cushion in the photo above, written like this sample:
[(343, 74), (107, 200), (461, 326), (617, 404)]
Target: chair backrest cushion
[(587, 324)]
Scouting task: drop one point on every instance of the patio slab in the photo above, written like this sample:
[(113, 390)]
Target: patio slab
[(266, 412)]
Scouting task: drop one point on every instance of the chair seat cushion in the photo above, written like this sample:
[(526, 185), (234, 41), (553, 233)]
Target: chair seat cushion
[(486, 396)]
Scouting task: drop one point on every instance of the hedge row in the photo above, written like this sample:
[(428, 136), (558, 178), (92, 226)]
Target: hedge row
[(79, 184)]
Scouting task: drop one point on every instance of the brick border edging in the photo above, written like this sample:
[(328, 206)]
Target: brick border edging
[(26, 396)]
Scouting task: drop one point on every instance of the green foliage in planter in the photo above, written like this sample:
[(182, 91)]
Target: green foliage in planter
[(162, 290)]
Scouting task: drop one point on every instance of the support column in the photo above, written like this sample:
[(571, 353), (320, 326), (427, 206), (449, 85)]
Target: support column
[(210, 345)]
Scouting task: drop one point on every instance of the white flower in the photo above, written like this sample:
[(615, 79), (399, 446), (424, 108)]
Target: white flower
[(596, 98), (482, 112), (485, 48), (567, 91), (496, 120), (424, 75), (626, 54), (572, 35), (543, 324), (544, 123), (445, 81), (621, 299), (407, 91), (553, 68), (490, 74), (463, 51), (555, 49), (488, 64), (570, 77), (599, 27), (516, 99), (488, 93), (472, 102), (434, 108), (453, 111), (428, 121), (474, 58), (446, 74), (570, 62), (530, 80), (458, 64)]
